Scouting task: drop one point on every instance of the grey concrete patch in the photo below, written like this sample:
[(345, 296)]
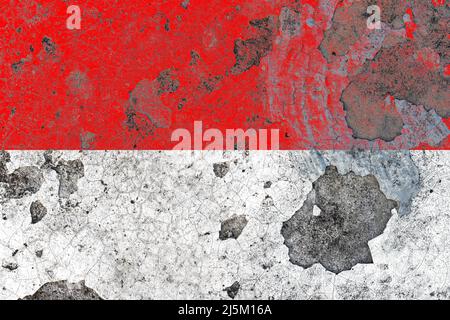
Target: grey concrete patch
[(233, 290), (62, 290), (69, 172), (37, 211), (232, 228), (397, 174), (353, 212), (21, 182), (221, 169)]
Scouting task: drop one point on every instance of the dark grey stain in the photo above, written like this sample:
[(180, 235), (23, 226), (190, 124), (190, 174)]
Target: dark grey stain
[(167, 25), (4, 159), (233, 290), (167, 82), (22, 182), (49, 46), (62, 290), (17, 66), (185, 4), (194, 58), (210, 84), (232, 228), (290, 21), (249, 52), (69, 172), (11, 266), (353, 210), (221, 169), (37, 211)]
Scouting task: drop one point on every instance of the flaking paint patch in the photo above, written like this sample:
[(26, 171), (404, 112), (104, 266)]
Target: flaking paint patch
[(249, 52), (221, 169), (145, 111), (364, 98), (396, 172), (37, 211), (233, 227), (233, 290), (353, 212), (405, 67), (349, 24), (21, 182), (69, 172), (63, 290), (157, 71)]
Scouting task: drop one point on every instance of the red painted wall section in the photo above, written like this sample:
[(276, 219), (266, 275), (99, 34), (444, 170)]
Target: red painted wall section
[(138, 70)]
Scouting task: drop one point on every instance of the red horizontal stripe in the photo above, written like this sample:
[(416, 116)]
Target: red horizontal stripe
[(138, 70)]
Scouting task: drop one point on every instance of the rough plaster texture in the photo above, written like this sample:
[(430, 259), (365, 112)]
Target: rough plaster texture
[(147, 225)]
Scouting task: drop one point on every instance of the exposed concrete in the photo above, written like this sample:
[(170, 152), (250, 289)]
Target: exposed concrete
[(62, 290), (21, 182), (221, 169), (233, 290), (397, 174), (38, 212), (353, 211), (404, 67)]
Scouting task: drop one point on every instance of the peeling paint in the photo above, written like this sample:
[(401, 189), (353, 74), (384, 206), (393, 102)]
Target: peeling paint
[(62, 290), (232, 228), (353, 212)]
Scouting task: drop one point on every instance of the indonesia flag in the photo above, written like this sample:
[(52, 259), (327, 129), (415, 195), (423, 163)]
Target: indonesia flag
[(236, 149)]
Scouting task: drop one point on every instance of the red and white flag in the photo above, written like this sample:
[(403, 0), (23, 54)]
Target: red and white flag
[(224, 149)]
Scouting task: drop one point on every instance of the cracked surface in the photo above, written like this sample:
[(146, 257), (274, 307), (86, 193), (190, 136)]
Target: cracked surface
[(311, 69), (146, 225)]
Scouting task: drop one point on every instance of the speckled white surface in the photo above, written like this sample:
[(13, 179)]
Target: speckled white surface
[(145, 225)]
